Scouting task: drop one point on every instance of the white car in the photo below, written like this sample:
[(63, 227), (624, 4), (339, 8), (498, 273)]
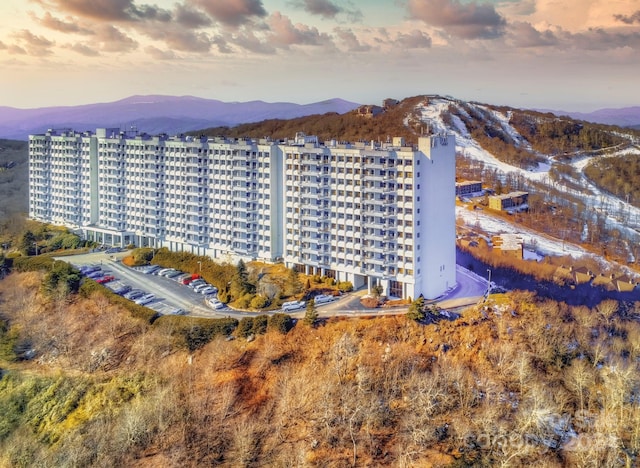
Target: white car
[(214, 303), (293, 305), (200, 287), (322, 298), (144, 299), (208, 290)]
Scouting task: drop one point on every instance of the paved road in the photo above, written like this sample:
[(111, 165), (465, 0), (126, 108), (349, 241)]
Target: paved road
[(468, 291)]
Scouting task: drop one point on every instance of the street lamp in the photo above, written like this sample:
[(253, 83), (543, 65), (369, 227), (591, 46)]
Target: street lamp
[(489, 282), (36, 245), (199, 266)]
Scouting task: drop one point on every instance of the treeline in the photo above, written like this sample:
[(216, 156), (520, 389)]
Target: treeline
[(14, 180), (342, 127), (555, 136), (618, 175)]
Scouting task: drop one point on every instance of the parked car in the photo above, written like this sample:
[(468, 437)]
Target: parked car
[(191, 278), (293, 305), (134, 294), (208, 290), (214, 303), (120, 288), (86, 269), (105, 279), (151, 269), (322, 298), (143, 300), (173, 274), (200, 287), (182, 277), (164, 271), (95, 274), (195, 283)]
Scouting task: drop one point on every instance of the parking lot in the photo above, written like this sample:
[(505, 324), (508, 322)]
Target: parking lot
[(169, 296)]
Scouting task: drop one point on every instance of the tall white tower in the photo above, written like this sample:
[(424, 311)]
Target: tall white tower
[(435, 219)]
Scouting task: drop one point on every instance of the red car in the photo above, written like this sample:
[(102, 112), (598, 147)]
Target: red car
[(195, 276), (105, 279)]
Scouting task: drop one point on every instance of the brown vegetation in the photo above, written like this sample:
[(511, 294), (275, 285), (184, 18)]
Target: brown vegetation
[(517, 382)]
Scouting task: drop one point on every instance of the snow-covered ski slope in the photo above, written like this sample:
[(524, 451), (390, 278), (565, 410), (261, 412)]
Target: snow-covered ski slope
[(619, 214)]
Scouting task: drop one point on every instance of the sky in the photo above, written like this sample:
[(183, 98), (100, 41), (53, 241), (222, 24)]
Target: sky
[(573, 55)]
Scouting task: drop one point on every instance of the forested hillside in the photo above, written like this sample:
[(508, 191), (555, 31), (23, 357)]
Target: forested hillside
[(14, 178), (343, 127), (517, 382)]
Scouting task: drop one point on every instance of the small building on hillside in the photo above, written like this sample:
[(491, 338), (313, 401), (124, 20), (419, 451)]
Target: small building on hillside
[(510, 245), (508, 200), (579, 275), (369, 111), (624, 283), (468, 187), (389, 102)]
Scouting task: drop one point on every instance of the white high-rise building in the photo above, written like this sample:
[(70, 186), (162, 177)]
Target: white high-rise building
[(366, 213)]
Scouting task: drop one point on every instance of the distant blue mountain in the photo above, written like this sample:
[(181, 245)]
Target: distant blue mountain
[(157, 114), (623, 117)]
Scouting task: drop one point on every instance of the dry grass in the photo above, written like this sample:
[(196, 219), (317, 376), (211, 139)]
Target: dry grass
[(383, 391)]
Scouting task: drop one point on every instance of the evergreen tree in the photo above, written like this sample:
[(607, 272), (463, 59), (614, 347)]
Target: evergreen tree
[(311, 314), (27, 243), (293, 285), (416, 310), (240, 284)]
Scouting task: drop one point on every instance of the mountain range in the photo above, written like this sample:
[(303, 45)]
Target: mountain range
[(156, 114)]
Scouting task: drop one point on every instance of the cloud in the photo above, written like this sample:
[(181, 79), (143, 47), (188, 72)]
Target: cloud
[(351, 41), (69, 26), (31, 44), (232, 12), (416, 39), (184, 40), (109, 10), (248, 41), (158, 54), (83, 49), (601, 39), (328, 9), (524, 35), (191, 17), (111, 39), (222, 45), (15, 49), (464, 20), (285, 33), (629, 19)]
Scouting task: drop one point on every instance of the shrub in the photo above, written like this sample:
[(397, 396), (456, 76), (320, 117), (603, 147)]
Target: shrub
[(259, 302), (280, 322), (142, 256), (345, 286), (193, 333), (260, 324), (245, 327), (38, 263)]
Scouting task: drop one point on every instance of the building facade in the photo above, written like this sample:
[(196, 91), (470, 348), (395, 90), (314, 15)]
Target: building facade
[(508, 200), (366, 213)]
